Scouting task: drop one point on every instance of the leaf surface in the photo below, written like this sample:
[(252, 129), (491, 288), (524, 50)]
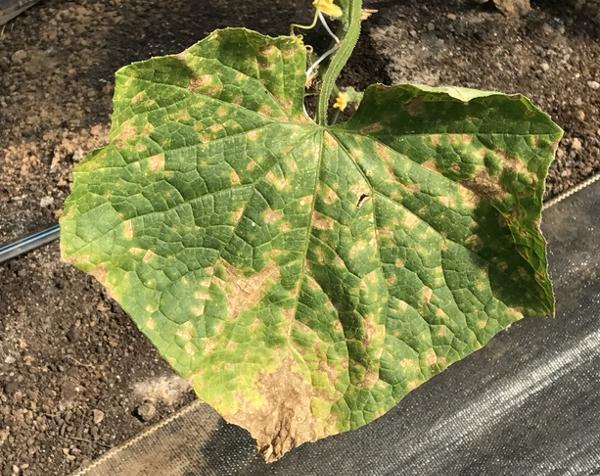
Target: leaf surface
[(303, 278)]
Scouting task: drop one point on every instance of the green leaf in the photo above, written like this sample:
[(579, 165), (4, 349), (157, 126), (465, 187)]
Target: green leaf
[(305, 278)]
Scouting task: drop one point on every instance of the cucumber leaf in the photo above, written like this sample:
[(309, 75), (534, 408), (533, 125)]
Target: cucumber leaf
[(305, 278)]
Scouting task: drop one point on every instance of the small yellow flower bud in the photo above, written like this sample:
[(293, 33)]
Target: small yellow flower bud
[(341, 101), (328, 8)]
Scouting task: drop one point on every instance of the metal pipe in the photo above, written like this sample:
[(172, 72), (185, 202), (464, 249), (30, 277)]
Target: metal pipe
[(28, 243)]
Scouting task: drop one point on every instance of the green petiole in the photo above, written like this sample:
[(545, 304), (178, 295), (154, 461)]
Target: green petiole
[(340, 58)]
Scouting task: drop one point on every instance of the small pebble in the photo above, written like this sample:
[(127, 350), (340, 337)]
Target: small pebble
[(98, 416), (593, 84), (19, 55), (46, 201), (580, 115), (545, 66), (146, 411), (576, 144)]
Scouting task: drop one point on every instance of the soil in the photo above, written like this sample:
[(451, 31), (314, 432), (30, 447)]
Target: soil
[(76, 377)]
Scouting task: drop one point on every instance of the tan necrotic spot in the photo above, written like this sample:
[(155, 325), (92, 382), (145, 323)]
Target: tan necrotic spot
[(515, 312), (245, 292), (151, 323), (280, 183), (137, 98), (270, 50), (148, 256), (431, 358), (485, 185), (383, 151), (234, 178), (156, 163), (306, 201), (372, 128), (328, 194), (330, 140), (474, 243), (409, 364), (237, 214), (100, 272), (284, 419), (447, 201), (201, 83), (197, 310), (469, 199), (399, 263), (322, 222), (358, 247), (185, 331), (272, 216), (128, 230), (190, 348), (430, 165), (126, 132), (426, 294), (410, 220), (265, 110), (202, 294)]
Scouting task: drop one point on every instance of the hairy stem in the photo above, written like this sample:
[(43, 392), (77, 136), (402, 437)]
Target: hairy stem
[(340, 58)]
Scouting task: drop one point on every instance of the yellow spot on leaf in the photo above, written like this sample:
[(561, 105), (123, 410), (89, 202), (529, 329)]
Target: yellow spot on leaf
[(185, 331)]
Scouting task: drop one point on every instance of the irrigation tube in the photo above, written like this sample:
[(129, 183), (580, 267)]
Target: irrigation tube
[(31, 242)]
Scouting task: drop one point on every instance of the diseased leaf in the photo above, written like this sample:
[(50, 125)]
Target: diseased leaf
[(305, 278)]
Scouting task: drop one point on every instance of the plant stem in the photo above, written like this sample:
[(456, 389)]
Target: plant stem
[(340, 58)]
